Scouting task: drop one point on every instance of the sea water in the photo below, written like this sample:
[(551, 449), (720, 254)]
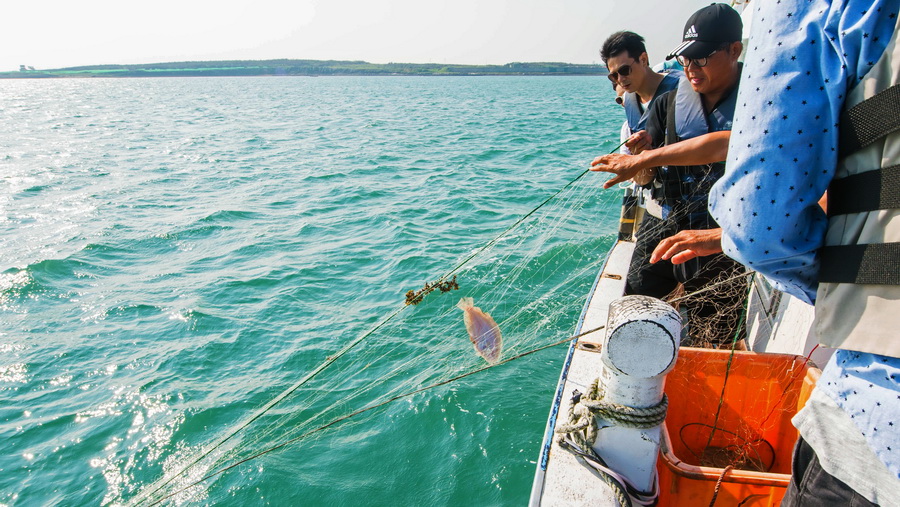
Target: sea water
[(175, 253)]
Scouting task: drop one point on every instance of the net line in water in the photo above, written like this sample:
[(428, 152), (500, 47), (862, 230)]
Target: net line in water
[(569, 204)]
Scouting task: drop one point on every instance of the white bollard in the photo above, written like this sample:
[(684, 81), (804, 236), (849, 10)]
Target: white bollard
[(640, 347)]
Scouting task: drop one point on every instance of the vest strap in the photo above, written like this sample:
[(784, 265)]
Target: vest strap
[(868, 191), (870, 120), (671, 128), (873, 264)]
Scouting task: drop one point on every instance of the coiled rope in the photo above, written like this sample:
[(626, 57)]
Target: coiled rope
[(623, 415), (580, 434), (582, 425)]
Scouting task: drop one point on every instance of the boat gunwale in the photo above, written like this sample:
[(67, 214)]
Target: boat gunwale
[(546, 444)]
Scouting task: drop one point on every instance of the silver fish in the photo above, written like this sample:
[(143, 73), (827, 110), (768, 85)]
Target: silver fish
[(483, 331)]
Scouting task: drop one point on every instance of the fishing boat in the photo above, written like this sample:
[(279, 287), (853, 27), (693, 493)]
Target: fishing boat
[(717, 429)]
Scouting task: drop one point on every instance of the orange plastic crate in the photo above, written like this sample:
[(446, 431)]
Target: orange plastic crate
[(747, 424)]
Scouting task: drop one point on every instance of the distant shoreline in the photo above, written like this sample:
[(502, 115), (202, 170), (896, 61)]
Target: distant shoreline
[(307, 68)]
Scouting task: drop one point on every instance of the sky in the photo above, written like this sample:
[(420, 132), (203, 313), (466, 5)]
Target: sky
[(48, 34)]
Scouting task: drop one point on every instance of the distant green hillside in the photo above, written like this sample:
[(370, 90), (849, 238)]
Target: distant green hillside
[(307, 68)]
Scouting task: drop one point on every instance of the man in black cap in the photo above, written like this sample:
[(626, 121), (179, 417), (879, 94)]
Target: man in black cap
[(688, 129)]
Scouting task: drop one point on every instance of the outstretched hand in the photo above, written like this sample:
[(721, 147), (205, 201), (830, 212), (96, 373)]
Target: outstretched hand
[(624, 167), (688, 244)]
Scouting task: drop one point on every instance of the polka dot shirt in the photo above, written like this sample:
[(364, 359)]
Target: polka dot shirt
[(802, 58)]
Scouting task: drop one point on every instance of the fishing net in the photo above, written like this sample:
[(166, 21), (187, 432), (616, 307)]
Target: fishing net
[(729, 409), (531, 278), (713, 315), (710, 291)]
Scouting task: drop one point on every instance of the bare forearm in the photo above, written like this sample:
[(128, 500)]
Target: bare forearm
[(687, 244), (641, 168), (705, 149)]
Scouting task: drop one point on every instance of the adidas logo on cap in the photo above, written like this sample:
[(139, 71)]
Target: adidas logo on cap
[(706, 29)]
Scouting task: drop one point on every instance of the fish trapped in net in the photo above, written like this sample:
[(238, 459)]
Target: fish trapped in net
[(483, 331)]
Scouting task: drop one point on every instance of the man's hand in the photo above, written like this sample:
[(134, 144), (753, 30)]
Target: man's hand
[(625, 167), (638, 142), (686, 245)]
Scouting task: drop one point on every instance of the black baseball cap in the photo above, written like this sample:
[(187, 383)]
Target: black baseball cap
[(707, 29)]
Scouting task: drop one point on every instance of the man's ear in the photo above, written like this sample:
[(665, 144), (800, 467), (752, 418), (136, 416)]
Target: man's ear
[(736, 49), (644, 59)]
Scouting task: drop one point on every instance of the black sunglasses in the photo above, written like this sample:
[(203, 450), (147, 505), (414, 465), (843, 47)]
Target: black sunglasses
[(622, 71), (697, 62)]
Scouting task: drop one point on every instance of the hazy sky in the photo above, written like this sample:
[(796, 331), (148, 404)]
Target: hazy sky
[(65, 33)]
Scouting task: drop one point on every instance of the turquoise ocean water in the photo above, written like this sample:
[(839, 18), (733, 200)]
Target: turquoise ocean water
[(177, 255)]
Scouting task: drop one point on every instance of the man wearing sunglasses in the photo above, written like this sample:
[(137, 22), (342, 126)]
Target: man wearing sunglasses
[(688, 130), (626, 59)]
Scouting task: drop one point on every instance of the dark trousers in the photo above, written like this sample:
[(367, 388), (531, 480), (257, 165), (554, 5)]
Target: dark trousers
[(714, 316), (813, 487)]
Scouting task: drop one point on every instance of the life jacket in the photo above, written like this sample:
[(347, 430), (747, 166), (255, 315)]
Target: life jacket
[(858, 299), (686, 119), (636, 113), (690, 120)]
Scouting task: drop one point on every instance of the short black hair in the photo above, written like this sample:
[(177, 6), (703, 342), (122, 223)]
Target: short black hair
[(623, 41)]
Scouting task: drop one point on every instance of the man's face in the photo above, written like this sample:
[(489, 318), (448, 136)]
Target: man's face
[(718, 73), (622, 64)]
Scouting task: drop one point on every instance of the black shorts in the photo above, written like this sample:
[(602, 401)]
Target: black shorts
[(811, 486)]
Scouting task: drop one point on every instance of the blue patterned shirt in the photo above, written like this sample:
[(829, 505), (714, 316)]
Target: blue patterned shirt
[(867, 388), (802, 58)]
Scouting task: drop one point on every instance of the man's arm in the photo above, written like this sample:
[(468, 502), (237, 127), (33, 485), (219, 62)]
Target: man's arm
[(688, 244), (691, 243), (705, 149)]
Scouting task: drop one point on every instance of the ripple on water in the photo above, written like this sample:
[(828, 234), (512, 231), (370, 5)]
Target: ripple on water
[(176, 253)]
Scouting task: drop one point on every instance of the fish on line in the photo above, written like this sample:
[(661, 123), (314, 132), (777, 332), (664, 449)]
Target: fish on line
[(483, 331)]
